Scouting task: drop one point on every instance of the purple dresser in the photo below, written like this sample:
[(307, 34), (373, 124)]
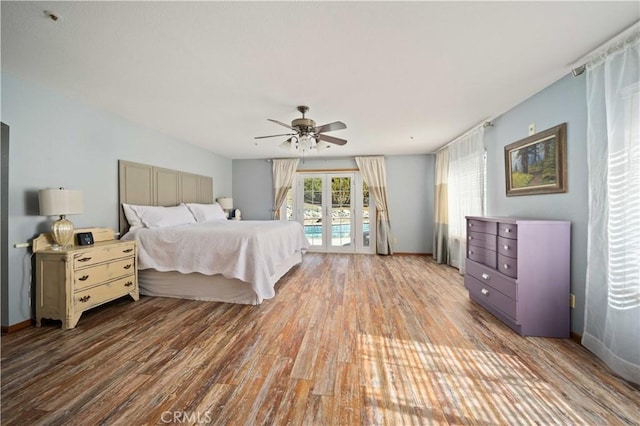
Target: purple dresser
[(518, 269)]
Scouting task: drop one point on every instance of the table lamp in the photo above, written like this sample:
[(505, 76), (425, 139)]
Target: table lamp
[(61, 202), (226, 203)]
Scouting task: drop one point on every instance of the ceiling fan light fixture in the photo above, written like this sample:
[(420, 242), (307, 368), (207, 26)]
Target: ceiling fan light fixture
[(307, 143), (308, 137)]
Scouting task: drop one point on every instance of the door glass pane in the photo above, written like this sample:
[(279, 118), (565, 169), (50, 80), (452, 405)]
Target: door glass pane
[(340, 211), (365, 214), (289, 205), (312, 219)]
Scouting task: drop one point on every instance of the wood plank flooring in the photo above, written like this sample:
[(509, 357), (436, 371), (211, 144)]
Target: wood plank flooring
[(348, 340)]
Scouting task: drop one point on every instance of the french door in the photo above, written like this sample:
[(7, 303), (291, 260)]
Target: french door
[(335, 211)]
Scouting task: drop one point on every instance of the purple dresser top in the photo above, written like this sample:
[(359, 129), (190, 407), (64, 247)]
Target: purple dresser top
[(515, 220)]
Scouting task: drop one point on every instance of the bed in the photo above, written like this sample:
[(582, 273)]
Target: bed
[(188, 252)]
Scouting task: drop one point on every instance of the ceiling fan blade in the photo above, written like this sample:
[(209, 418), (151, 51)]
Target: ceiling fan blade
[(281, 123), (336, 125), (273, 136), (331, 139)]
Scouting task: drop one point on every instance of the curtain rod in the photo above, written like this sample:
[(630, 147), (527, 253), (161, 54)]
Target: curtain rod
[(486, 123), (579, 66)]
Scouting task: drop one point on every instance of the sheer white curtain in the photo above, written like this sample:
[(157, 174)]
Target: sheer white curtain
[(612, 310), (374, 173), (283, 173), (466, 190), (441, 208)]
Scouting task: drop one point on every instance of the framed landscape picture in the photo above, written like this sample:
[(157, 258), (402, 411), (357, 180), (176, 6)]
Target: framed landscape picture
[(537, 164)]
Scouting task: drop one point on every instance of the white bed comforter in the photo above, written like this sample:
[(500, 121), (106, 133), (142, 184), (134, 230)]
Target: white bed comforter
[(247, 250)]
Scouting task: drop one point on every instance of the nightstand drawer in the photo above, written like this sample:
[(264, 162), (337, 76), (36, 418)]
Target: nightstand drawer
[(93, 257), (105, 292), (88, 277)]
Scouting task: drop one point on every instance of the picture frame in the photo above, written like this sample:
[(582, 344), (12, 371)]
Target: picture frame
[(537, 163)]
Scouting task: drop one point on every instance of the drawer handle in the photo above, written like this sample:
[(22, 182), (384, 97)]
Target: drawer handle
[(470, 252), (485, 291), (84, 278), (507, 230), (84, 259), (128, 284), (470, 238), (85, 298), (470, 225), (505, 266), (127, 266), (127, 250), (506, 247), (485, 276)]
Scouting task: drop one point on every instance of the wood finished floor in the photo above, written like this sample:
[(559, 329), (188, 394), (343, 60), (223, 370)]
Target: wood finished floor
[(347, 340)]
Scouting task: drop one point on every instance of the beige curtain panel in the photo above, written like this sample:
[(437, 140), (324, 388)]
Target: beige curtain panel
[(283, 173), (441, 210), (374, 174)]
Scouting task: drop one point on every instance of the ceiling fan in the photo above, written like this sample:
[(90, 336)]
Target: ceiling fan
[(308, 137)]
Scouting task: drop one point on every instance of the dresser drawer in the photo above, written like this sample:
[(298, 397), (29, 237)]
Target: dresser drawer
[(491, 296), (504, 285), (104, 292), (478, 239), (482, 255), (481, 226), (92, 257), (508, 230), (508, 247), (91, 276), (508, 265)]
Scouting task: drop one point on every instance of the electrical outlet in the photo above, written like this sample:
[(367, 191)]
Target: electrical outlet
[(532, 128), (572, 300)]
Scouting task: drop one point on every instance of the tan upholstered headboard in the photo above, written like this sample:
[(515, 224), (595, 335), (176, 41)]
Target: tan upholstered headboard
[(146, 185)]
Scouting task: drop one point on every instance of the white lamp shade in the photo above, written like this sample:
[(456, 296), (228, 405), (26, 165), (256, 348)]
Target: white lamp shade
[(225, 202), (58, 202)]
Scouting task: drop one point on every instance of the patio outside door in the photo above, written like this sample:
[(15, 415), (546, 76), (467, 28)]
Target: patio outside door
[(331, 212)]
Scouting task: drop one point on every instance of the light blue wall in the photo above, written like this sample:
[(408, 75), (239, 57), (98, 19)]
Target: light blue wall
[(563, 101), (410, 179), (62, 142), (253, 188), (410, 182)]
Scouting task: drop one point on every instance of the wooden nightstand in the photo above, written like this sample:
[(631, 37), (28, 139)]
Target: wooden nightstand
[(73, 280)]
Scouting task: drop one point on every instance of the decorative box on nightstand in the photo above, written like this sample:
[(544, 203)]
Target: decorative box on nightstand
[(72, 280)]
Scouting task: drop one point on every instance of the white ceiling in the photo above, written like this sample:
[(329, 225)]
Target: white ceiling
[(406, 77)]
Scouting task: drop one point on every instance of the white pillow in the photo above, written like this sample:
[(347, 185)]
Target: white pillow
[(132, 217), (207, 212), (161, 217)]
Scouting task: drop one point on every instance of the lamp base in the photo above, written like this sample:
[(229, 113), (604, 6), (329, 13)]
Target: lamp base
[(62, 232)]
